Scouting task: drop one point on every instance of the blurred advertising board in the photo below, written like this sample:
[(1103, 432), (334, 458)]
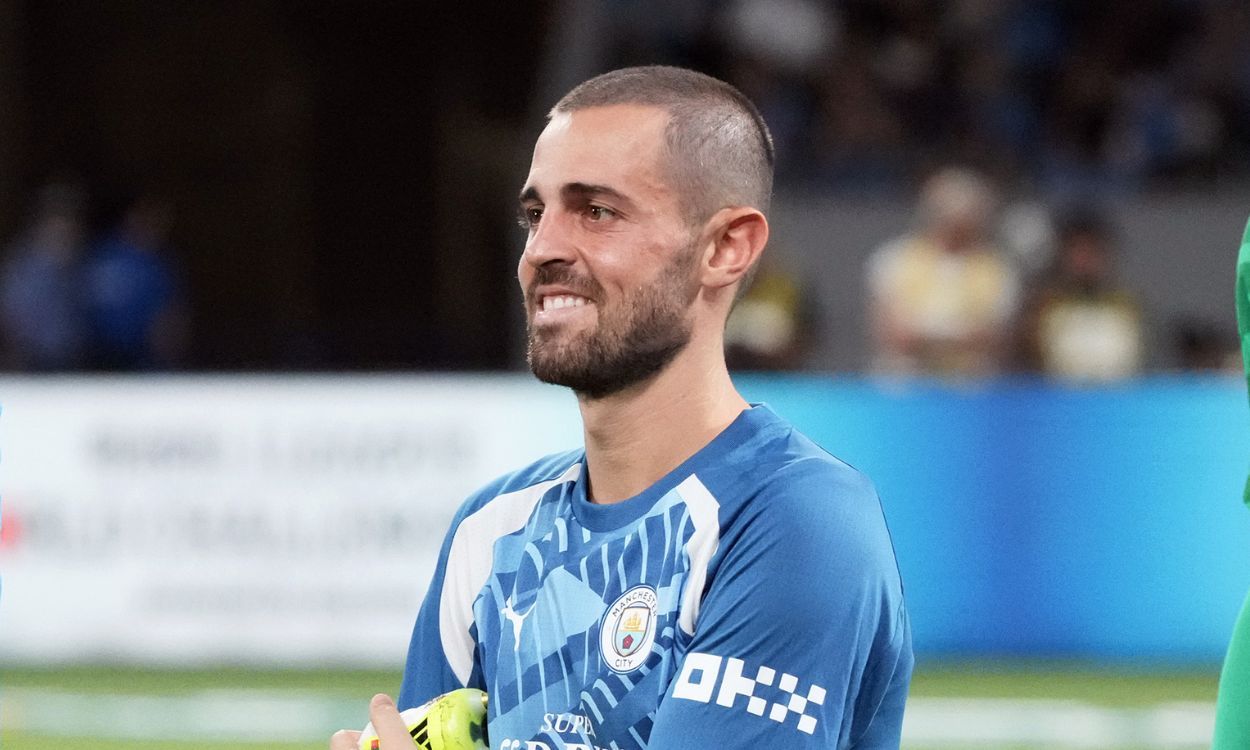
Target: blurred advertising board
[(291, 520), (296, 520)]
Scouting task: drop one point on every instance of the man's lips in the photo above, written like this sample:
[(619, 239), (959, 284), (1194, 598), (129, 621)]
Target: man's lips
[(552, 303)]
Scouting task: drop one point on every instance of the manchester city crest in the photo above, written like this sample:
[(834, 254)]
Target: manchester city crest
[(628, 629)]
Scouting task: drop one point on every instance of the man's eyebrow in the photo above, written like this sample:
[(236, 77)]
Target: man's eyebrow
[(586, 190), (577, 190)]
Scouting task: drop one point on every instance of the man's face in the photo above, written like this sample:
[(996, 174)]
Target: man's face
[(608, 271)]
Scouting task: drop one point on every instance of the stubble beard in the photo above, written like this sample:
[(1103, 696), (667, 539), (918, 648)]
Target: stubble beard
[(630, 344)]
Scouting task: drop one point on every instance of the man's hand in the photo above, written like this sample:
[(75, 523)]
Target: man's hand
[(390, 728)]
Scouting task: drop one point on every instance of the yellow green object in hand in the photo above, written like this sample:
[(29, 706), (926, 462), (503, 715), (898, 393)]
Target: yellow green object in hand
[(452, 721)]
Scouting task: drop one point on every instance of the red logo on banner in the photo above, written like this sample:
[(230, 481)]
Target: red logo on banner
[(10, 529)]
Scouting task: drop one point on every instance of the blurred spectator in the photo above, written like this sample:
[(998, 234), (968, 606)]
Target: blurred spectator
[(769, 328), (133, 293), (942, 299), (1081, 325), (42, 321), (1204, 346)]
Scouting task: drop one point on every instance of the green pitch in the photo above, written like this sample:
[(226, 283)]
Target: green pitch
[(27, 741), (341, 695), (1099, 686), (130, 709)]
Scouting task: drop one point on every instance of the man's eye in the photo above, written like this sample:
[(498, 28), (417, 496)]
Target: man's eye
[(530, 217), (599, 213)]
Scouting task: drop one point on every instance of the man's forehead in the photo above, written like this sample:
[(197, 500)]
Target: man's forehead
[(631, 129), (601, 145), (612, 117)]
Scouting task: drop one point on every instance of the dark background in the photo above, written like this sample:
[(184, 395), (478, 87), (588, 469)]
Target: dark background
[(325, 162)]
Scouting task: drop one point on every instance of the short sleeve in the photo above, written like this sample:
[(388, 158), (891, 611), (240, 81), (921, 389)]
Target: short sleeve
[(803, 640), (427, 672)]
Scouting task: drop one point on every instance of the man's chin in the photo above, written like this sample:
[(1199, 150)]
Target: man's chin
[(592, 382), (584, 387), (594, 373), (560, 367), (556, 371)]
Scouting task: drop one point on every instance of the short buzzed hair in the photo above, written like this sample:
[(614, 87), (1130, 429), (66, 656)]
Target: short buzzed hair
[(719, 150)]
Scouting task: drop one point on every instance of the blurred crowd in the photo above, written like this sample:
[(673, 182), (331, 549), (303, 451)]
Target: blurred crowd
[(71, 300), (1057, 95), (953, 295), (945, 299), (961, 294), (1053, 100)]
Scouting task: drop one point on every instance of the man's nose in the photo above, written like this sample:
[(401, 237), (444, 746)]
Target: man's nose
[(551, 241)]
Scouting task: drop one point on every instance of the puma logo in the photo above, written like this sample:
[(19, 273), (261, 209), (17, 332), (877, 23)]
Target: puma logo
[(516, 619)]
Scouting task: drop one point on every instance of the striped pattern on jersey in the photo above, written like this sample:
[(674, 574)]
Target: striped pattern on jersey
[(543, 583)]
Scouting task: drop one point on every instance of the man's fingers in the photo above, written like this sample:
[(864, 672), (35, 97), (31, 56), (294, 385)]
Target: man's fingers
[(345, 739), (391, 729)]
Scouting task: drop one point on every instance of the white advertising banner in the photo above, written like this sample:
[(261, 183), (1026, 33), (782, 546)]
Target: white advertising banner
[(276, 520)]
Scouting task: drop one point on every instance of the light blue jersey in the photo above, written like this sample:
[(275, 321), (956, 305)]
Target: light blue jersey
[(748, 599)]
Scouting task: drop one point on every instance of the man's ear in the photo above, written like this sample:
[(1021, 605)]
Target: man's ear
[(737, 237)]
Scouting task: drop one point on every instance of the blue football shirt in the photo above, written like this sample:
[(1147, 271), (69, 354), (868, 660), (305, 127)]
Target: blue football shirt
[(749, 599)]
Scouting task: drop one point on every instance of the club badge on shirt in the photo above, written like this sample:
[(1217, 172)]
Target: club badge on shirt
[(628, 629)]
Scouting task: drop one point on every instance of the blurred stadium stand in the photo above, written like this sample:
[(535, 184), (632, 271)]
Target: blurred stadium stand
[(327, 162), (342, 173)]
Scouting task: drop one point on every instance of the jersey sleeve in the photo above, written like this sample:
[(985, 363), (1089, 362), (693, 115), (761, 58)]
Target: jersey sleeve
[(802, 640), (444, 653), (427, 672)]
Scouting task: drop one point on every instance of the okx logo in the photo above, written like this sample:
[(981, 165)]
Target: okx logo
[(700, 674)]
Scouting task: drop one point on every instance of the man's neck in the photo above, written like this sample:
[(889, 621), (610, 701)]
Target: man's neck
[(636, 437)]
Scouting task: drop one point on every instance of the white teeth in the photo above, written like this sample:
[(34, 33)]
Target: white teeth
[(560, 301)]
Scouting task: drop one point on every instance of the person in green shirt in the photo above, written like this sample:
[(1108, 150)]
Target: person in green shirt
[(1232, 716)]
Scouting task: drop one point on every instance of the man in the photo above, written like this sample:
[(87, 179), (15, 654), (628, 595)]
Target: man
[(700, 575), (1081, 324), (942, 298)]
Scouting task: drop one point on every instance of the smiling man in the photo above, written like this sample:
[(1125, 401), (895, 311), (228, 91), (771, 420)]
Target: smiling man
[(699, 575)]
